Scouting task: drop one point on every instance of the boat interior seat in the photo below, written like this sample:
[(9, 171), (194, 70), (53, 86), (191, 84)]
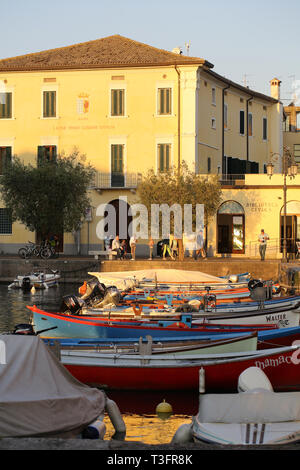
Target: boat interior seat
[(255, 406)]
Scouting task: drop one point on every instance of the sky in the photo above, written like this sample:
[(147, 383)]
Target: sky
[(248, 42)]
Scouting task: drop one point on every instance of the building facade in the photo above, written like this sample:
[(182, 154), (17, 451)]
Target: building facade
[(130, 107)]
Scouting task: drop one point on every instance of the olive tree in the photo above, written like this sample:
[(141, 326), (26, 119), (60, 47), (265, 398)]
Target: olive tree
[(51, 197), (181, 187)]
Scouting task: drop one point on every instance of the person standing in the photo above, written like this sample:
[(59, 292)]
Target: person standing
[(132, 243), (262, 238), (200, 245), (151, 245)]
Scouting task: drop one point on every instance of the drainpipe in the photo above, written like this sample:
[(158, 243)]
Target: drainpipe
[(223, 130), (178, 121)]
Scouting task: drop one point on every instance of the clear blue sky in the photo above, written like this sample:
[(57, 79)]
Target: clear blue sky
[(253, 41)]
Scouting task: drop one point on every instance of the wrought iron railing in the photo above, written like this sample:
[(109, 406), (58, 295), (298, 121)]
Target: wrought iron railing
[(115, 180)]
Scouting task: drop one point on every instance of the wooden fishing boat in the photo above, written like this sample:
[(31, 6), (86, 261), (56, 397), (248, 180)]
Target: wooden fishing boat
[(81, 326), (181, 372), (255, 416), (246, 342), (266, 339), (76, 326)]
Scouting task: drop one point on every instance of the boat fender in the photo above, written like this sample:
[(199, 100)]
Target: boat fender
[(178, 324), (116, 418), (183, 434), (95, 430)]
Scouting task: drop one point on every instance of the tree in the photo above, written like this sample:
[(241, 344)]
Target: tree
[(181, 187), (48, 198)]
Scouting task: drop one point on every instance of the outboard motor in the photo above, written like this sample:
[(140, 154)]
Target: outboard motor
[(26, 284), (112, 297), (71, 305), (24, 329), (94, 293)]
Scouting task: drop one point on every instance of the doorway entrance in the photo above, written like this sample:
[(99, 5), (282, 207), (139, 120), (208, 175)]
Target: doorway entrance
[(231, 228)]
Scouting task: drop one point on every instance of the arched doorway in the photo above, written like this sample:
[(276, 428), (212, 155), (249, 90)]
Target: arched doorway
[(231, 228), (292, 226), (121, 222)]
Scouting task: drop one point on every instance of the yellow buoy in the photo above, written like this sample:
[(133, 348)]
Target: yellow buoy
[(164, 410)]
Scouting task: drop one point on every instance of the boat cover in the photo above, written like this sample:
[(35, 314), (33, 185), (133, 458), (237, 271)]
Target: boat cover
[(128, 279), (38, 396), (257, 406)]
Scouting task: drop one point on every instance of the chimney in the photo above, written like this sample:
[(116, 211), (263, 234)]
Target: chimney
[(275, 88), (177, 50)]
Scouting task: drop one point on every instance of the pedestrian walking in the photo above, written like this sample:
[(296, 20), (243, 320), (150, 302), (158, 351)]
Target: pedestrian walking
[(200, 245), (132, 243), (151, 245), (262, 238)]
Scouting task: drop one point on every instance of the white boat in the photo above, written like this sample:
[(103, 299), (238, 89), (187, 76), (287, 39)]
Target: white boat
[(256, 415), (36, 279)]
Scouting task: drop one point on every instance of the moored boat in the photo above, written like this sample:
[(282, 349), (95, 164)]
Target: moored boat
[(256, 415), (39, 398), (36, 279), (168, 372)]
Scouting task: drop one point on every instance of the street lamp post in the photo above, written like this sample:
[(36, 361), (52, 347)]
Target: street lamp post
[(289, 168)]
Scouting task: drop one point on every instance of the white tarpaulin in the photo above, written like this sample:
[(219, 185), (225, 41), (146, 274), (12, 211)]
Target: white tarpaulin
[(127, 279), (38, 396)]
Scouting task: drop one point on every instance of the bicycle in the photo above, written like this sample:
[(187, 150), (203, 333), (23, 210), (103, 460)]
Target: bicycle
[(33, 249)]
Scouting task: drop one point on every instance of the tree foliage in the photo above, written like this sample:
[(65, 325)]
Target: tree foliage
[(181, 187), (50, 197)]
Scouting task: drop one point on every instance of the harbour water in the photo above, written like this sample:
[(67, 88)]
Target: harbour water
[(138, 408)]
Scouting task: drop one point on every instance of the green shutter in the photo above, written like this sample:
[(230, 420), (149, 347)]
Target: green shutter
[(41, 154)]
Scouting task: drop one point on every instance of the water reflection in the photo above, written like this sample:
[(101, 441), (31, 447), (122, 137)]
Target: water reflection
[(137, 408)]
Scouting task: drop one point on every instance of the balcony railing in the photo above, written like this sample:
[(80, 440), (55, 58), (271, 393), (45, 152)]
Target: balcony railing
[(231, 180), (116, 180)]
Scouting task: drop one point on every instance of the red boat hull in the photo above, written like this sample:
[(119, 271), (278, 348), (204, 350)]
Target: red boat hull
[(282, 370)]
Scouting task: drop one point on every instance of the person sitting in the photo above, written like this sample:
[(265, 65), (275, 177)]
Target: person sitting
[(116, 246)]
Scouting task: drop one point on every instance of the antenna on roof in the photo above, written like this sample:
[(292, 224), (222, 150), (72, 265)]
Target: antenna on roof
[(187, 46)]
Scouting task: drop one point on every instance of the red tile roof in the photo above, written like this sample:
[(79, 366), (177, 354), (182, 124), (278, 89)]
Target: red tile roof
[(112, 51)]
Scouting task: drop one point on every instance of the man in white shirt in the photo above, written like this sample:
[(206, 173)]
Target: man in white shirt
[(132, 243), (262, 238), (116, 246)]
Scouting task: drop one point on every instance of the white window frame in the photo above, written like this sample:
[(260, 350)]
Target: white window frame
[(264, 119), (5, 89), (213, 96), (160, 85), (121, 140), (245, 121), (49, 88), (118, 86), (213, 123), (168, 141)]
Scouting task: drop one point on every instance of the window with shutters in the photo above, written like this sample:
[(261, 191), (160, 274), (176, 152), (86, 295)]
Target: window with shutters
[(242, 122), (164, 157), (5, 222), (250, 124), (5, 105), (117, 102), (117, 165), (49, 104), (47, 153), (265, 129), (5, 157), (164, 101)]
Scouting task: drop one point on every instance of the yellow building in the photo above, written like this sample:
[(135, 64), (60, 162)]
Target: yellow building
[(129, 107)]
